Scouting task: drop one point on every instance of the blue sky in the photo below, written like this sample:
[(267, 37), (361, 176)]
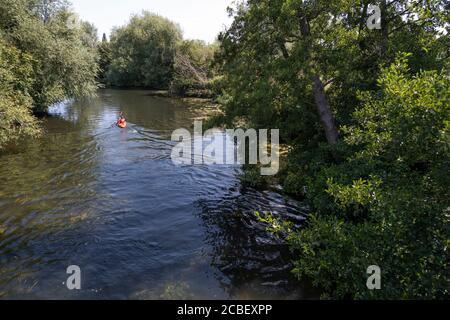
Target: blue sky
[(199, 19)]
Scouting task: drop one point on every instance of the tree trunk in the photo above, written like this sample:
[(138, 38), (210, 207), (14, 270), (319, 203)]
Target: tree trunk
[(324, 110), (320, 97)]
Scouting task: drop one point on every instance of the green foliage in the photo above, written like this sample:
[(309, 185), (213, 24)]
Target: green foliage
[(335, 256), (150, 52), (357, 196), (104, 59), (293, 184), (387, 204), (268, 59), (380, 193), (48, 55), (252, 178), (15, 103), (193, 67), (275, 226), (403, 126), (143, 52), (46, 9)]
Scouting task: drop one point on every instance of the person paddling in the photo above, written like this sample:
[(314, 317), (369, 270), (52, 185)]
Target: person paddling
[(121, 122)]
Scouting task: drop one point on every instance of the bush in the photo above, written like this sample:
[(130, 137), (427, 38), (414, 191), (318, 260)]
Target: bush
[(294, 184), (388, 203), (252, 178)]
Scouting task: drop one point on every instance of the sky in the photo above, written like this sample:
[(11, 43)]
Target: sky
[(199, 19)]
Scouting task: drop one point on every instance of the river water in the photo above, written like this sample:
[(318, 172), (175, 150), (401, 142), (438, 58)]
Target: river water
[(139, 227)]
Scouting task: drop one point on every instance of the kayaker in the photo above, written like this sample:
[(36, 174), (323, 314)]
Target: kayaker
[(121, 122)]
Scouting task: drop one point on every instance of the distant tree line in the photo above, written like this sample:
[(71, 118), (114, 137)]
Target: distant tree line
[(150, 52)]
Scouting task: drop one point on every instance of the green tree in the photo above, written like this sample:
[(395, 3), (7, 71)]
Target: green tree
[(15, 104), (64, 66), (369, 133), (306, 60), (388, 203), (143, 52), (60, 57), (88, 35), (104, 53), (193, 66)]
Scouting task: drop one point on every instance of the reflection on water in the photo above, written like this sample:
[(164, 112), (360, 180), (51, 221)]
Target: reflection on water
[(112, 202)]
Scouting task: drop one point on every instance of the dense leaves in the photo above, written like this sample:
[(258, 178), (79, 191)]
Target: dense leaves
[(379, 188), (150, 52), (389, 199), (193, 70), (275, 49), (15, 104), (143, 52), (58, 53)]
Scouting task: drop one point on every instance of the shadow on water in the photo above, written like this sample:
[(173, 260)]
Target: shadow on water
[(252, 262), (44, 204), (112, 202)]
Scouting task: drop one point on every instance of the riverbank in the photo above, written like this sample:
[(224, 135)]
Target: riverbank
[(210, 107)]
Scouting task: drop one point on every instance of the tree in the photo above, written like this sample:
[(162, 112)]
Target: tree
[(89, 36), (193, 68), (298, 52), (64, 65), (368, 128), (104, 52), (143, 52), (390, 197), (59, 55), (17, 121)]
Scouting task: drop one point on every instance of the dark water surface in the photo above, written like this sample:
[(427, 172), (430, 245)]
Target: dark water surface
[(112, 202)]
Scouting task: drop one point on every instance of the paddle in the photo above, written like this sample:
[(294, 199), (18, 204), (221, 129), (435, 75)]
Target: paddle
[(114, 124)]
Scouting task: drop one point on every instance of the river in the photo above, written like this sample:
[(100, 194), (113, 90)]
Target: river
[(139, 227)]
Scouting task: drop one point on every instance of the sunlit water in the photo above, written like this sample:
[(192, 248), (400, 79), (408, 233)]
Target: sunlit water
[(112, 202)]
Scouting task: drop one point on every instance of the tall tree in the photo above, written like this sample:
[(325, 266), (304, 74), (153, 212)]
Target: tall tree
[(279, 49), (104, 56), (143, 52)]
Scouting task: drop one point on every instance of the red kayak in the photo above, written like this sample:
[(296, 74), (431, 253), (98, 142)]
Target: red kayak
[(121, 123)]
